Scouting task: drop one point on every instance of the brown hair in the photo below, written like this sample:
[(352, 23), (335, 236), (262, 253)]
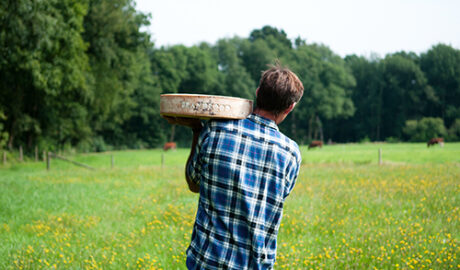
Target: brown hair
[(279, 88)]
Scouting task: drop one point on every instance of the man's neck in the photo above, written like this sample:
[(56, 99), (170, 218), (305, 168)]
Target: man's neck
[(267, 114)]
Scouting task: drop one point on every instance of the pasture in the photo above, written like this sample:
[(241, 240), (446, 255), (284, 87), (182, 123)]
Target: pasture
[(346, 211)]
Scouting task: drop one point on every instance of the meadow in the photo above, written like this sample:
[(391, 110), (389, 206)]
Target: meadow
[(346, 210)]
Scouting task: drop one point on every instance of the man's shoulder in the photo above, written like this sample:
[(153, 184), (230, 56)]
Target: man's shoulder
[(291, 145), (223, 125), (256, 130)]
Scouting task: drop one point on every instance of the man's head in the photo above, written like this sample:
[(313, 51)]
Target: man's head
[(279, 89)]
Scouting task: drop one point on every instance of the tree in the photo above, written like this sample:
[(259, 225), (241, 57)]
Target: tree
[(235, 81), (143, 127), (169, 67), (3, 134), (405, 93), (441, 65), (327, 93), (454, 130), (179, 69), (367, 98), (201, 72), (42, 71), (118, 57), (256, 56), (424, 129), (273, 35), (262, 48)]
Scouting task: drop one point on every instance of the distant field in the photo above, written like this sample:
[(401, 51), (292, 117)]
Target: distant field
[(405, 153), (359, 154), (346, 211)]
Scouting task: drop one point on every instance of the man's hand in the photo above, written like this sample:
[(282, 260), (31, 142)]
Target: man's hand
[(196, 126), (193, 123)]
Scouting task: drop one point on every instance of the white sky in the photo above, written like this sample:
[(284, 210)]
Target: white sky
[(354, 26)]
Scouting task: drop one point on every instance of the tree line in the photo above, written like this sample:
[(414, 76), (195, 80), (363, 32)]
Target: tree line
[(85, 75)]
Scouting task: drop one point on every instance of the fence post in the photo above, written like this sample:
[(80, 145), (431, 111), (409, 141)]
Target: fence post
[(36, 153), (48, 161), (380, 156), (44, 156), (21, 157), (4, 157), (112, 161)]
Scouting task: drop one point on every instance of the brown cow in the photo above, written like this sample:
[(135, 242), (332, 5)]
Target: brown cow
[(169, 146), (315, 144), (434, 141)]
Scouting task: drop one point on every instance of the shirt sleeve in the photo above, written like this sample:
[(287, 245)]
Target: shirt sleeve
[(293, 173), (194, 166)]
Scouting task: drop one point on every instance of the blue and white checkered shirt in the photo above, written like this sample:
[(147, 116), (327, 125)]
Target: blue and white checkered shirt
[(245, 169)]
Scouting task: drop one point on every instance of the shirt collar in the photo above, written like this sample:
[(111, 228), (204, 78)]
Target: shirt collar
[(263, 121)]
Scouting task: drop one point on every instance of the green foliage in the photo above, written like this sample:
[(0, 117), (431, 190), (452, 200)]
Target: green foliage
[(118, 56), (454, 131), (142, 128), (236, 81), (179, 69), (99, 145), (84, 74), (367, 98), (365, 140), (3, 133), (424, 129), (273, 35), (43, 70), (328, 87), (256, 57), (405, 93), (441, 65), (392, 140)]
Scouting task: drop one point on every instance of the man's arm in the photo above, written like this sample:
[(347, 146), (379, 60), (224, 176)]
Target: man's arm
[(196, 126), (191, 185)]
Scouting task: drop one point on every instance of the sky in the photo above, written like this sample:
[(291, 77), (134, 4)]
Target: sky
[(362, 27)]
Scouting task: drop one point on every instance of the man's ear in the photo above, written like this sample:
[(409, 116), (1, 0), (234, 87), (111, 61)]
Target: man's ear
[(290, 108)]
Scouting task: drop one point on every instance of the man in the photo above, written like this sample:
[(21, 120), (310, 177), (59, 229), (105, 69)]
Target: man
[(243, 170)]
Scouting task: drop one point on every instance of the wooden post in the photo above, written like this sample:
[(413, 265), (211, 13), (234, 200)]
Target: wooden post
[(162, 160), (380, 156), (4, 157), (36, 153), (48, 160), (112, 161), (21, 157), (44, 156)]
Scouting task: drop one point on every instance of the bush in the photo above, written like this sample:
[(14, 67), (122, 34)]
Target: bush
[(424, 129), (46, 144), (84, 146), (454, 131), (392, 140), (3, 134), (365, 140), (99, 145)]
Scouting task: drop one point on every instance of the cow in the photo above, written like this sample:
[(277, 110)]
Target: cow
[(314, 144), (169, 146), (434, 141)]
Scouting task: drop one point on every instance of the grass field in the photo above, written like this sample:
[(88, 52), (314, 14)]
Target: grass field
[(346, 211)]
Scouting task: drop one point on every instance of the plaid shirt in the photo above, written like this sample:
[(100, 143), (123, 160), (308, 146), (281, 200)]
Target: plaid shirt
[(246, 169)]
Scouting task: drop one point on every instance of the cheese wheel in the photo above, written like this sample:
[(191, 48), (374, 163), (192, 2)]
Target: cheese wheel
[(204, 106)]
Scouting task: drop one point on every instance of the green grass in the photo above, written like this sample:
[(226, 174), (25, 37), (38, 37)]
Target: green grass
[(346, 211), (402, 153)]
